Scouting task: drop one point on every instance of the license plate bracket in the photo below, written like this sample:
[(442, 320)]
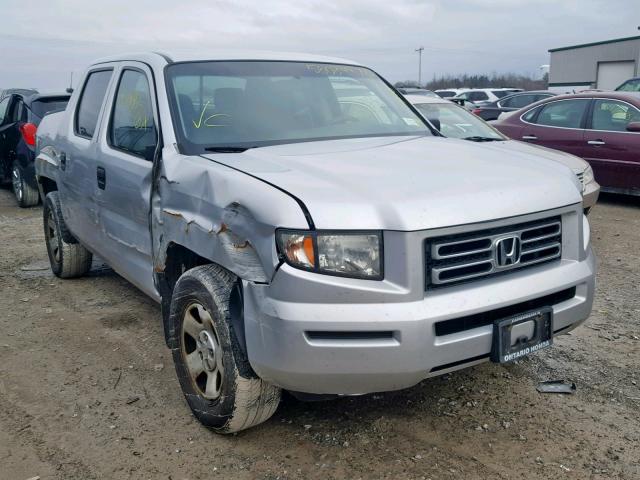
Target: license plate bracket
[(522, 334)]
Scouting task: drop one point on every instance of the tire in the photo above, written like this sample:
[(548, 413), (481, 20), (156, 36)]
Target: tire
[(26, 195), (68, 258), (221, 388)]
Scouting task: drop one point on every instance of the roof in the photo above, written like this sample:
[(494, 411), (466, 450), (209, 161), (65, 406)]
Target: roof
[(631, 97), (593, 44), (192, 56)]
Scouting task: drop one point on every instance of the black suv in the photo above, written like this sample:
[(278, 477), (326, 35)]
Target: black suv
[(20, 113)]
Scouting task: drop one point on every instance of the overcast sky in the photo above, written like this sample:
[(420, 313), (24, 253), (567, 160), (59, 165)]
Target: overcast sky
[(41, 42)]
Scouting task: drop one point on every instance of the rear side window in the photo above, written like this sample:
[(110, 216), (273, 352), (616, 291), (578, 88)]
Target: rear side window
[(132, 126), (565, 113), (93, 93), (42, 106)]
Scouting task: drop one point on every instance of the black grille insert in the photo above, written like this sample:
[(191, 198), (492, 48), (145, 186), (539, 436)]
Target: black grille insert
[(447, 327)]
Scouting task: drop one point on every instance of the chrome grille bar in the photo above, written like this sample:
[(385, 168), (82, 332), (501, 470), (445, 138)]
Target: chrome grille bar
[(479, 254)]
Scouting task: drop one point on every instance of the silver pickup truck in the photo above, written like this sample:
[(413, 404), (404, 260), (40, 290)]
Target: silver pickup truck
[(303, 227)]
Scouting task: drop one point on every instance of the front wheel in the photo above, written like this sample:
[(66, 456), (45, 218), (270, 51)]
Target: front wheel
[(217, 380), (26, 195)]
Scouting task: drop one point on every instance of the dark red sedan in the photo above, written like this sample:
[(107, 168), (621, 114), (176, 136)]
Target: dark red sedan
[(601, 127)]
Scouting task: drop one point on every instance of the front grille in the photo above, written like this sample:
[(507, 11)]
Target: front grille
[(458, 258), (581, 179)]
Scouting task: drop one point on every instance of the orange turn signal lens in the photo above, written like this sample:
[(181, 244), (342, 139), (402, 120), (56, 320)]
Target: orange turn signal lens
[(299, 249)]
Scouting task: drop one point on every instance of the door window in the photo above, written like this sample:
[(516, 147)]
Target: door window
[(613, 116), (132, 125), (93, 93), (518, 101), (565, 113)]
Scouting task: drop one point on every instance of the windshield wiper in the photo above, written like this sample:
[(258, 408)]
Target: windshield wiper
[(227, 149), (478, 138)]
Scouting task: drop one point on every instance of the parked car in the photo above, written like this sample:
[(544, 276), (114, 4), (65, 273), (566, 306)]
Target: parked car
[(601, 127), (417, 91), (455, 122), (632, 85), (20, 113), (298, 238), (510, 103), (485, 95)]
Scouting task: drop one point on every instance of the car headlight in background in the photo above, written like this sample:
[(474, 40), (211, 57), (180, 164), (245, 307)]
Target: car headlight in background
[(587, 177), (346, 254)]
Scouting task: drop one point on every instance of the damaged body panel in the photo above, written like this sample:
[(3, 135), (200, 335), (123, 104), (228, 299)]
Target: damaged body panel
[(218, 213), (303, 227)]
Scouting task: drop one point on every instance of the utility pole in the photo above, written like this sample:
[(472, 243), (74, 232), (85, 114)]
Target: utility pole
[(419, 50)]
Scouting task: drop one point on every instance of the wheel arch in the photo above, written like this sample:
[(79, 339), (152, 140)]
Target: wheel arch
[(177, 260)]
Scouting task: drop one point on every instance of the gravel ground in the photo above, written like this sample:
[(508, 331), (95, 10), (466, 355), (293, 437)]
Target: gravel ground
[(88, 390)]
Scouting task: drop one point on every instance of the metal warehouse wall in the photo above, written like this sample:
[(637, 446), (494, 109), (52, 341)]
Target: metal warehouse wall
[(579, 65)]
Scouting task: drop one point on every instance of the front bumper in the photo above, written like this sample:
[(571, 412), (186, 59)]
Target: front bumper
[(326, 335)]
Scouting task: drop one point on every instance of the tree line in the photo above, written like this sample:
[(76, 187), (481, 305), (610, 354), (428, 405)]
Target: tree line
[(495, 80)]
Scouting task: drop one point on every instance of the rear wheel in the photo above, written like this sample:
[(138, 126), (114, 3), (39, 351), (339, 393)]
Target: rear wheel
[(26, 195), (67, 257), (217, 380)]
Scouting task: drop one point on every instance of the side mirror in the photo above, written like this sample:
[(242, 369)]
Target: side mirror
[(633, 127), (436, 123)]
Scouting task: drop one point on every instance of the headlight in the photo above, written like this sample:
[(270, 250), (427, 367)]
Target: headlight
[(587, 176), (346, 254)]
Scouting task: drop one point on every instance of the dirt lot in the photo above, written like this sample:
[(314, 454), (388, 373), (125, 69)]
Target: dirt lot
[(88, 390)]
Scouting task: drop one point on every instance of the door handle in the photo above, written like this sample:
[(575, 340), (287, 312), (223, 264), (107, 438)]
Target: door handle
[(63, 161), (102, 178), (597, 142), (529, 137)]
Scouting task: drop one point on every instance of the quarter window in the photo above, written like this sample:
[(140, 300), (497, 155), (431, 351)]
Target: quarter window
[(565, 113), (132, 126), (95, 89), (3, 109), (613, 116)]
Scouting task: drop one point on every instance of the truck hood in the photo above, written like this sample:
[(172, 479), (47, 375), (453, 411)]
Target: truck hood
[(409, 183)]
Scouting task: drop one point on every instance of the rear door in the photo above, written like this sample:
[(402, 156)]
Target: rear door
[(10, 132), (77, 157), (612, 151), (122, 178), (558, 124)]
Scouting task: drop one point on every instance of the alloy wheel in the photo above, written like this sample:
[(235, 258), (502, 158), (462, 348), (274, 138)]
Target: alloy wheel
[(201, 351)]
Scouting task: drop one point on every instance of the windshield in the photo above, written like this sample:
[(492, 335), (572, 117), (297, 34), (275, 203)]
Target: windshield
[(45, 105), (456, 122), (247, 104), (630, 86)]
